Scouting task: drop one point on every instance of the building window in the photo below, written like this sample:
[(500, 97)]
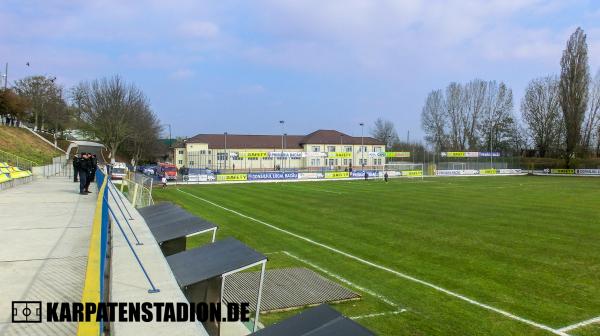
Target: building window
[(180, 161), (348, 149), (315, 162), (316, 149), (181, 151), (191, 163), (377, 149), (222, 156), (362, 149), (332, 162), (331, 148), (362, 162), (203, 152), (209, 152), (345, 162)]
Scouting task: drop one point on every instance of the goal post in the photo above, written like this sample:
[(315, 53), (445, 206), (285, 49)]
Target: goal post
[(404, 169)]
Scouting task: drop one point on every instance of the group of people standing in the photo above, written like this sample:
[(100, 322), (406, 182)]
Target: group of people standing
[(84, 167), (9, 120)]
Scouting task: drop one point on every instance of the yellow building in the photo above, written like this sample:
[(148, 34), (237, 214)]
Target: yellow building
[(322, 149)]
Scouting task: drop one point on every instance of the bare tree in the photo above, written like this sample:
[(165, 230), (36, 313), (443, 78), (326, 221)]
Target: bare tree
[(496, 123), (540, 109), (144, 141), (593, 114), (434, 120), (41, 94), (573, 89), (474, 99), (384, 131), (110, 107), (455, 109)]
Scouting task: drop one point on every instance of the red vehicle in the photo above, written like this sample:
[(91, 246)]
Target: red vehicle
[(167, 170)]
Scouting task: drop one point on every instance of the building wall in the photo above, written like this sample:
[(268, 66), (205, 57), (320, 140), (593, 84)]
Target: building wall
[(199, 155), (179, 157)]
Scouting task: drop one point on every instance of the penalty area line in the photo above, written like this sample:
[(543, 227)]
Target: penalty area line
[(387, 269), (580, 324)]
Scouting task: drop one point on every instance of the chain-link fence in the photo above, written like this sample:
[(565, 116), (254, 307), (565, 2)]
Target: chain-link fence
[(138, 189)]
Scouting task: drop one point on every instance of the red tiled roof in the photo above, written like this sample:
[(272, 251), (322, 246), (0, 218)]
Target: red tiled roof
[(247, 141), (336, 137), (274, 141)]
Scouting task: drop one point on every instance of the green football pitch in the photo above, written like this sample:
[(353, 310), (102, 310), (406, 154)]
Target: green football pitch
[(515, 255)]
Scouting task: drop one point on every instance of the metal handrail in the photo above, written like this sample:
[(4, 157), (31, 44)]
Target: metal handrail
[(126, 221), (153, 288), (16, 158), (122, 202)]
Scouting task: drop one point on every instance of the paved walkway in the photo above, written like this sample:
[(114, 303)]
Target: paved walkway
[(45, 229)]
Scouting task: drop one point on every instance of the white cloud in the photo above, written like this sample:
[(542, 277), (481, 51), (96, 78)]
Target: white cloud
[(181, 74), (199, 29)]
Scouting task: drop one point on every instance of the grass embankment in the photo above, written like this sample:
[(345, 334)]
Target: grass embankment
[(526, 245), (22, 143)]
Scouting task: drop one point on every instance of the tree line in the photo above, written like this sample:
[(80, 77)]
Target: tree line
[(560, 113), (110, 110)]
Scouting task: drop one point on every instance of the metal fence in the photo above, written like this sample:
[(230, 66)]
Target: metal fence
[(17, 161), (138, 189)]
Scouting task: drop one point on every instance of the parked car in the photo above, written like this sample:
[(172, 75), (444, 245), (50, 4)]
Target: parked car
[(119, 171)]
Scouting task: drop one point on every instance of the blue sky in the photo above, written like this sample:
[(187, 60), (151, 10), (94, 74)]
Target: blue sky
[(241, 66)]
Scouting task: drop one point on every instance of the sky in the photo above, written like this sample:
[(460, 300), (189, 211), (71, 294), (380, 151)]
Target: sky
[(242, 66)]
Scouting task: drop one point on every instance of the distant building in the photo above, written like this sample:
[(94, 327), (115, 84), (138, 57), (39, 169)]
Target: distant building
[(321, 149)]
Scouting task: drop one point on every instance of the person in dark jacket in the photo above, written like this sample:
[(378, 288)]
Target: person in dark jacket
[(90, 169), (94, 161), (385, 176), (75, 167), (83, 170)]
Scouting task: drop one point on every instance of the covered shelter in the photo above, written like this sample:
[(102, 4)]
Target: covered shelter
[(201, 272), (318, 321), (172, 225)]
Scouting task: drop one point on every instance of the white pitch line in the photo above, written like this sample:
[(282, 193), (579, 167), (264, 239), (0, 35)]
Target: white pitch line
[(580, 324), (348, 282), (387, 269), (395, 312)]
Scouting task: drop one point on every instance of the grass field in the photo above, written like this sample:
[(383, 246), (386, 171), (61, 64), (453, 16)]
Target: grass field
[(23, 143), (528, 246)]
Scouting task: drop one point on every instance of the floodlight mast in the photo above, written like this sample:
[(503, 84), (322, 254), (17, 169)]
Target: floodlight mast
[(282, 122), (362, 145)]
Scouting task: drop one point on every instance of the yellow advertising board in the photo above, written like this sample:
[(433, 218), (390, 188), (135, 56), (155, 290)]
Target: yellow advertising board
[(232, 177), (339, 155), (253, 154), (329, 175), (397, 154), (562, 171), (455, 154), (412, 173), (487, 171)]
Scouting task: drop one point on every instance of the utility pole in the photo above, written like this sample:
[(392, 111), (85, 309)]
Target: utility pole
[(282, 122), (6, 76), (226, 156), (362, 144)]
